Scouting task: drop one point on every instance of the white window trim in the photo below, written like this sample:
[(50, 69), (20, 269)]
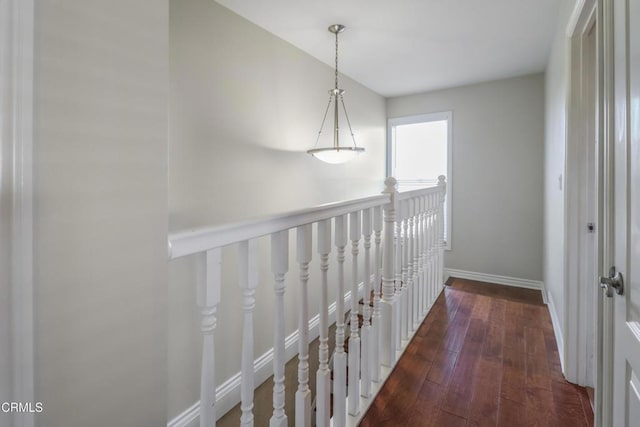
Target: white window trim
[(422, 118)]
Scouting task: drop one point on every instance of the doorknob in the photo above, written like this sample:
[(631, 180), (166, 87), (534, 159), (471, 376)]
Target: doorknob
[(614, 281)]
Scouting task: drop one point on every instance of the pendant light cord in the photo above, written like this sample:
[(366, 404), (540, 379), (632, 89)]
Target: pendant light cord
[(353, 138), (336, 61), (335, 96)]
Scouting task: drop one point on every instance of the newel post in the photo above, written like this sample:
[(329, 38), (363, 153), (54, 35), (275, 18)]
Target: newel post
[(388, 326)]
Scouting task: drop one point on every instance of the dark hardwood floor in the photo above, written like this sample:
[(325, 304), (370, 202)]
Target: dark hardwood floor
[(484, 356)]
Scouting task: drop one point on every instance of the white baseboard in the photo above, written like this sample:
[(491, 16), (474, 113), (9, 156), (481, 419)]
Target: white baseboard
[(493, 278), (228, 393), (188, 418), (557, 331)]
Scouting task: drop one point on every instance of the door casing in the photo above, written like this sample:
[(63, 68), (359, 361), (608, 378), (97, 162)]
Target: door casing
[(584, 124)]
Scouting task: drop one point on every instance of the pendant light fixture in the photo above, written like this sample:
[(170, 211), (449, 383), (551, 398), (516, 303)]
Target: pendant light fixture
[(336, 153)]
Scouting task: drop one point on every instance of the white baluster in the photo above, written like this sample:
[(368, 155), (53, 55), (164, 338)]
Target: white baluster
[(323, 379), (416, 267), (420, 295), (413, 266), (387, 305), (431, 231), (403, 219), (248, 282), (423, 263), (340, 356), (355, 232), (399, 283), (415, 281), (437, 240), (375, 321), (427, 297), (303, 395), (440, 277), (432, 252), (279, 267), (208, 296), (365, 370)]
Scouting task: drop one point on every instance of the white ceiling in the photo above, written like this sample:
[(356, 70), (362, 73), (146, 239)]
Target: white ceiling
[(410, 46)]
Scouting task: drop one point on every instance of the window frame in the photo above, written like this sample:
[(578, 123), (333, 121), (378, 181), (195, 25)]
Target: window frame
[(425, 118)]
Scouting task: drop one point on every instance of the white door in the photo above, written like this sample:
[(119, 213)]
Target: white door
[(626, 214)]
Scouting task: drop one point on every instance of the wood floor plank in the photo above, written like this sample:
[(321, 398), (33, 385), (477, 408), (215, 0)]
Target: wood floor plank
[(442, 313), (510, 413), (513, 374), (466, 304), (540, 408), (451, 301), (543, 317), (445, 419), (453, 339), (486, 393), (410, 375), (493, 344), (433, 341), (553, 357), (481, 308), (442, 367), (460, 390), (426, 408), (530, 316), (457, 329), (436, 315), (498, 311), (514, 327), (414, 346), (536, 359), (585, 399), (568, 405)]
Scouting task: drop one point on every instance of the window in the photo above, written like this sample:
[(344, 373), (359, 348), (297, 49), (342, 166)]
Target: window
[(418, 151)]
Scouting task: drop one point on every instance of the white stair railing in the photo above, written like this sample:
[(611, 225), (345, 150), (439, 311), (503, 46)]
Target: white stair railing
[(407, 232)]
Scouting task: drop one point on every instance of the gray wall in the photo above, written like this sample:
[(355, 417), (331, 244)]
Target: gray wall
[(554, 165), (101, 98), (6, 196), (498, 142), (245, 106)]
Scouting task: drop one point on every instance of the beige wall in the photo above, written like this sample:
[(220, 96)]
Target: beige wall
[(101, 113), (245, 106), (555, 141), (498, 143)]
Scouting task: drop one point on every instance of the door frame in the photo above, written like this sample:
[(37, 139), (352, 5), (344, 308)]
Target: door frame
[(605, 332), (580, 350), (16, 104)]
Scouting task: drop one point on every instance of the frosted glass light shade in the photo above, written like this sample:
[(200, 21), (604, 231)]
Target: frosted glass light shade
[(336, 155)]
